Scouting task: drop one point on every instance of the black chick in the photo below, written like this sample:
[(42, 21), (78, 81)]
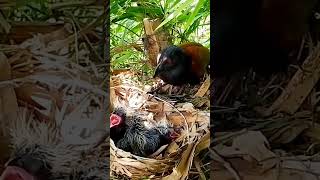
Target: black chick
[(130, 134), (26, 167)]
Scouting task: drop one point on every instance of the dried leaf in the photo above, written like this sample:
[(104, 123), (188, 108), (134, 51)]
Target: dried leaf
[(204, 143), (204, 88), (254, 144), (4, 24), (26, 91), (288, 133), (294, 168), (181, 171), (299, 86), (198, 164), (8, 107), (200, 101), (172, 148)]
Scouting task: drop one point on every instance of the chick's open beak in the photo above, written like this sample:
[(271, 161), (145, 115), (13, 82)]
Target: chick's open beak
[(16, 173), (114, 120), (174, 135)]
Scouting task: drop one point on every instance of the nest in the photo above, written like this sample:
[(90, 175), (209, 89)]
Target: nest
[(171, 161)]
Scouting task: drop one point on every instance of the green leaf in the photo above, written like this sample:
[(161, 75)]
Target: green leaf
[(138, 13), (177, 9), (194, 13)]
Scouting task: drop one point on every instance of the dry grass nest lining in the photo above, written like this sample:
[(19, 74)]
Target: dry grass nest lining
[(40, 73), (169, 162), (59, 92), (281, 140)]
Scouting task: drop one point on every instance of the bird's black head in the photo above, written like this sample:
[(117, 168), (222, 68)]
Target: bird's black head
[(174, 66)]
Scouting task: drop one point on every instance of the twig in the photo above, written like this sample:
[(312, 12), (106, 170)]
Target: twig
[(81, 32), (229, 135), (301, 47), (226, 164), (75, 38), (268, 85)]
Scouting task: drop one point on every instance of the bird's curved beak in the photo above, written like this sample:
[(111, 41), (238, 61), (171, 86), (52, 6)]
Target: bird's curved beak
[(156, 73), (158, 57)]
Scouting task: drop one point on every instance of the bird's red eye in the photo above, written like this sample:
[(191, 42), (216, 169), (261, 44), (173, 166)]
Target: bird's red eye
[(167, 61), (114, 120)]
